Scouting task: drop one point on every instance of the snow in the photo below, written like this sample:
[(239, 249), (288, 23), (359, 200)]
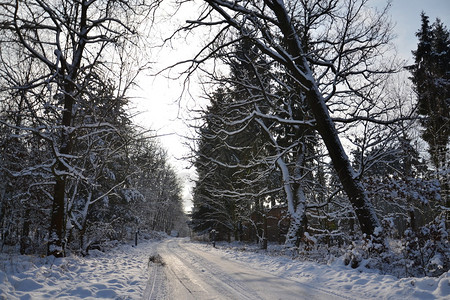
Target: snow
[(120, 273), (123, 273), (360, 283)]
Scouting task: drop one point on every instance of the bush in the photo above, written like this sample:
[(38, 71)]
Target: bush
[(427, 249)]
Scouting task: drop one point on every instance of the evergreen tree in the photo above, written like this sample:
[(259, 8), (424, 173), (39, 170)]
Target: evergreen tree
[(214, 208), (395, 179), (431, 78)]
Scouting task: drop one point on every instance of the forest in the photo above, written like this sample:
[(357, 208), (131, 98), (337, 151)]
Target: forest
[(315, 135), (75, 170)]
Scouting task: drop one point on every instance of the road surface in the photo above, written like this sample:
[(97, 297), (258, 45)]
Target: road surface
[(181, 270)]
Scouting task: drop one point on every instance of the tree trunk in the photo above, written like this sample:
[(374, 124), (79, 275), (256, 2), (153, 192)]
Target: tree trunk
[(296, 230), (24, 239), (57, 232), (354, 189), (265, 237), (325, 126), (56, 244), (297, 226)]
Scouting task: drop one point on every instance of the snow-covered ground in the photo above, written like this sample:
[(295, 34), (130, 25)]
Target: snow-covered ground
[(336, 276), (123, 273)]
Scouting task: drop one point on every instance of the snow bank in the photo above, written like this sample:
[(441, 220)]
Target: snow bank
[(118, 274), (336, 276)]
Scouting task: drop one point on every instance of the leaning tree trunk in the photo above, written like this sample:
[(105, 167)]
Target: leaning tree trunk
[(300, 69), (352, 186)]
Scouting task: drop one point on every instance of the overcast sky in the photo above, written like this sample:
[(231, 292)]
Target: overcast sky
[(158, 96)]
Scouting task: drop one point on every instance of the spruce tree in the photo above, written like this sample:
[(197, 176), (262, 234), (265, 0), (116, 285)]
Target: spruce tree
[(431, 78)]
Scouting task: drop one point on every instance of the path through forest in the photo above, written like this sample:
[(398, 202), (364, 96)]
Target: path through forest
[(173, 269), (181, 270)]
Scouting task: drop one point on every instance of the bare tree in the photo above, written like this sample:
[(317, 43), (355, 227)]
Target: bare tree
[(71, 40), (331, 54)]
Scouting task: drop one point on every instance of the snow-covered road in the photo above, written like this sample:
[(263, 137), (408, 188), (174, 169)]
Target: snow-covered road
[(188, 272)]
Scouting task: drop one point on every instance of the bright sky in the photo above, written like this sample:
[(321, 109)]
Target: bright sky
[(163, 113), (406, 17)]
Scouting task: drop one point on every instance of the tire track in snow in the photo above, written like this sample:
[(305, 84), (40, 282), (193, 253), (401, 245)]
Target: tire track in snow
[(156, 288), (191, 273), (304, 290), (201, 278)]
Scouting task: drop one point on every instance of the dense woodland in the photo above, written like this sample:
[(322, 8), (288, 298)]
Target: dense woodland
[(75, 170), (313, 126), (318, 138)]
